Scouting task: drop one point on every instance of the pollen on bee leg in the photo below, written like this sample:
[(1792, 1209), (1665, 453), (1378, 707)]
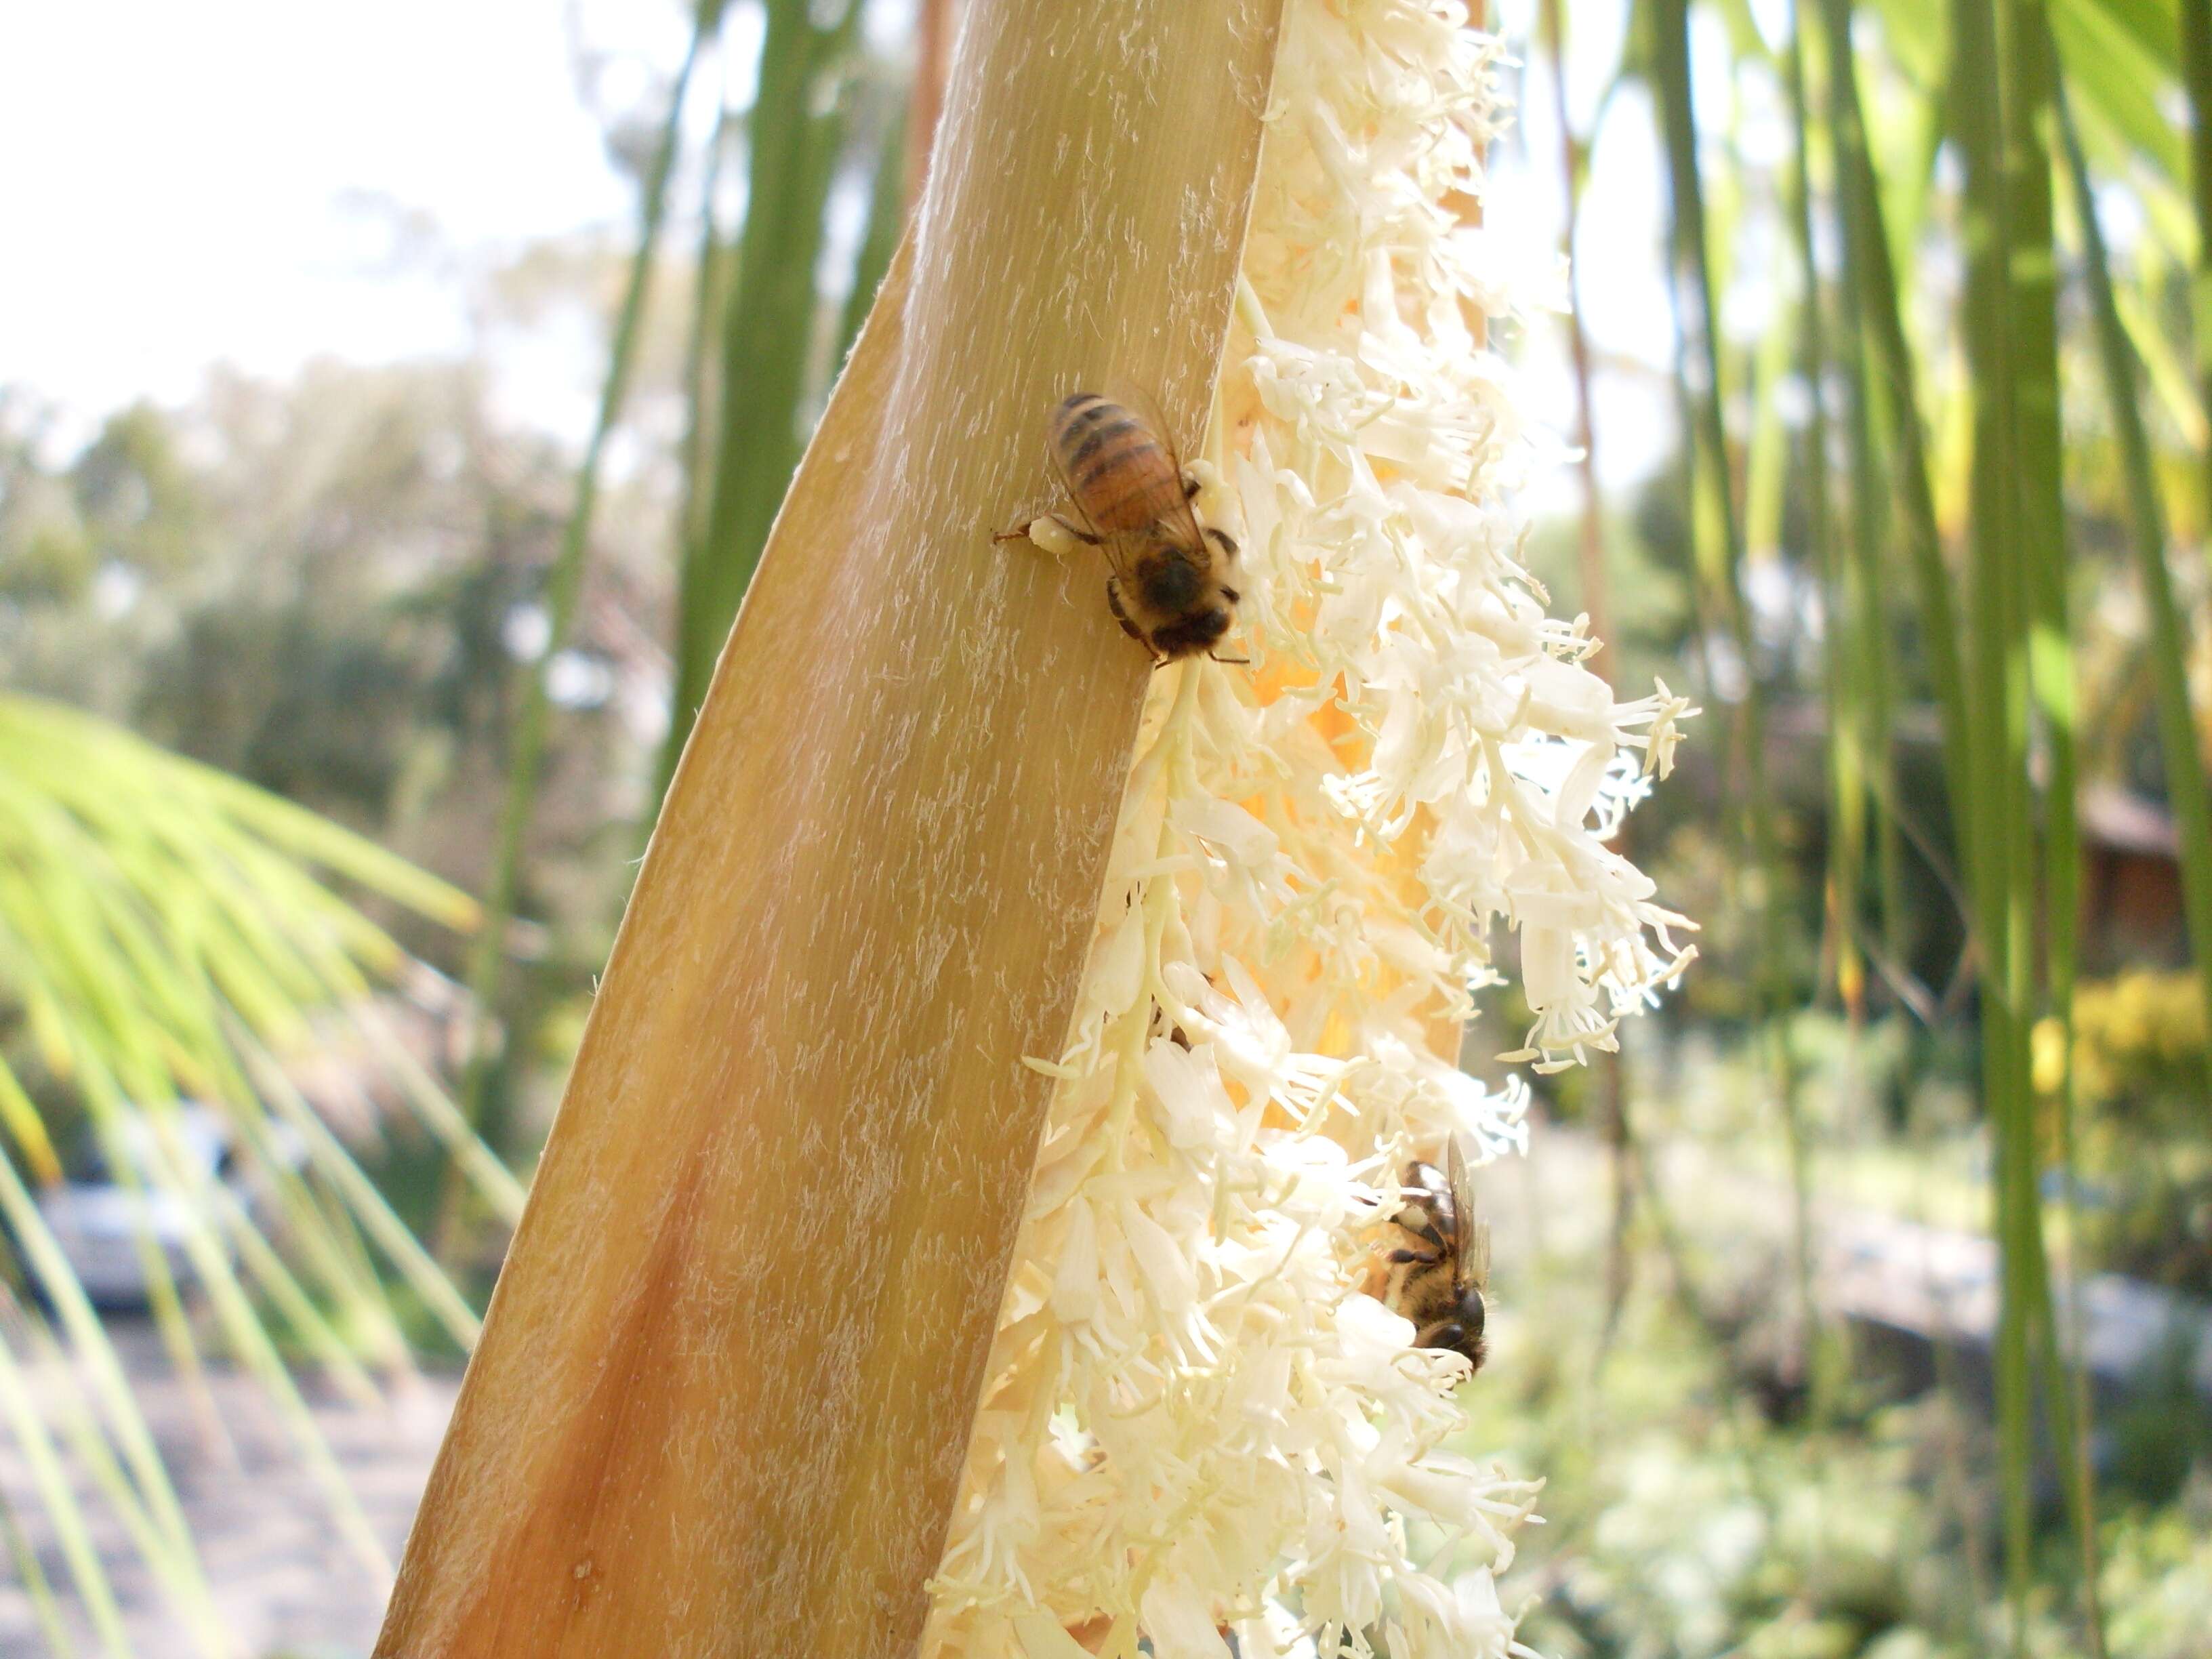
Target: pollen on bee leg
[(1212, 499), (1054, 535)]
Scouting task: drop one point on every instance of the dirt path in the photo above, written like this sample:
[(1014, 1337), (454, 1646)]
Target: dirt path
[(284, 1576)]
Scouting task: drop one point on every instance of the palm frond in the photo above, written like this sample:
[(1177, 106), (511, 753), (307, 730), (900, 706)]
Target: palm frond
[(169, 934)]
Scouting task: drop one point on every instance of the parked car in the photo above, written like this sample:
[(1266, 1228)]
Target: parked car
[(98, 1221)]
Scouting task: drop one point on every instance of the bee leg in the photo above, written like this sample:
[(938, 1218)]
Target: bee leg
[(1051, 532), (1121, 616), (1427, 1258), (1113, 604), (1224, 540)]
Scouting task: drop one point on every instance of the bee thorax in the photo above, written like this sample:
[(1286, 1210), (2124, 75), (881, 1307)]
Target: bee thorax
[(1168, 583)]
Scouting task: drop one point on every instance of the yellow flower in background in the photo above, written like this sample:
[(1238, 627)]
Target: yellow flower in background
[(2139, 1032), (2047, 1051)]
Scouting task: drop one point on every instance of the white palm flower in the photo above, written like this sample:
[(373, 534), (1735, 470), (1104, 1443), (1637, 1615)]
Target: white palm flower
[(1195, 1421)]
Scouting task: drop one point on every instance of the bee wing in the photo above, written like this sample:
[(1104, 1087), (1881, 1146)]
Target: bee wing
[(1067, 488), (1140, 403), (1474, 1237)]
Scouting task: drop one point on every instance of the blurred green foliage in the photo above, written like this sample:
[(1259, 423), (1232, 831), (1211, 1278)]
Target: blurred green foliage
[(325, 588), (1696, 1502)]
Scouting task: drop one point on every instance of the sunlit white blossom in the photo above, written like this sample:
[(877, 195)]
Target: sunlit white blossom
[(1198, 1424)]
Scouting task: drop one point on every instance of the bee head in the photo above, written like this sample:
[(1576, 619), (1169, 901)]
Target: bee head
[(1473, 1312), (1189, 636), (1462, 1326), (1461, 1333)]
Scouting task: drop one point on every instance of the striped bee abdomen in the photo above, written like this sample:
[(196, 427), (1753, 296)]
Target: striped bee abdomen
[(1119, 471)]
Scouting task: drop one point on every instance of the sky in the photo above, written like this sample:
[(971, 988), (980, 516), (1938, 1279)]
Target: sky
[(225, 179), (258, 182), (1618, 274)]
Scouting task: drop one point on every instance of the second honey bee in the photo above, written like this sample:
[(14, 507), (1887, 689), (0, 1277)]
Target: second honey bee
[(1170, 586), (1445, 1267)]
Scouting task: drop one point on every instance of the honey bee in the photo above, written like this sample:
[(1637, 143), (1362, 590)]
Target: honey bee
[(1168, 588), (1447, 1266)]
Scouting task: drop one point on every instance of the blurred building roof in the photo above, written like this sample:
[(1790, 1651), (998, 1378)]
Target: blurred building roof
[(2127, 822)]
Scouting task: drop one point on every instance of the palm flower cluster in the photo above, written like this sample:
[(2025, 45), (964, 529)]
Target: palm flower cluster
[(1197, 1425)]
